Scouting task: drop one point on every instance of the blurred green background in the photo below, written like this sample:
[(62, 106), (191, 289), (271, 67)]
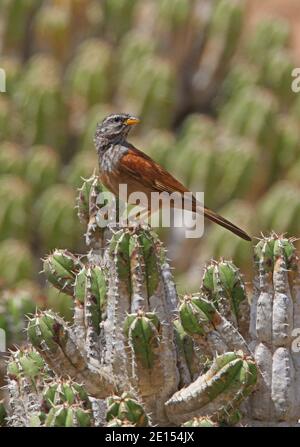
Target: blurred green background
[(213, 90)]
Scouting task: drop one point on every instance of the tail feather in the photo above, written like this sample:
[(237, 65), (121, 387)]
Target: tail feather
[(226, 224), (214, 217), (211, 215)]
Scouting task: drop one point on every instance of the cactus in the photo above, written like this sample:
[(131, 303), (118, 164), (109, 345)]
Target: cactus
[(118, 17), (16, 262), (82, 164), (89, 75), (126, 408), (90, 211), (40, 102), (269, 35), (226, 246), (11, 158), (60, 303), (15, 196), (274, 320), (38, 398), (192, 362), (155, 85), (269, 215), (277, 75), (230, 379), (56, 216), (15, 304), (130, 287), (42, 167), (12, 67), (223, 285), (17, 14), (252, 114), (9, 119), (52, 29)]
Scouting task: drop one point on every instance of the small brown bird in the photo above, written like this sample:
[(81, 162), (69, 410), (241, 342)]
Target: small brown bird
[(121, 163)]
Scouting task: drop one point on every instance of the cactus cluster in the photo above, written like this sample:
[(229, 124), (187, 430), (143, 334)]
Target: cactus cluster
[(136, 354)]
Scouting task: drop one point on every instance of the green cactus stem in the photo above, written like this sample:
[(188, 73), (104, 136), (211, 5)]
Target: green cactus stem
[(88, 76), (57, 224), (55, 341), (41, 104), (11, 158), (126, 408), (16, 262), (15, 195), (217, 392), (61, 268), (142, 330), (52, 27), (223, 285), (15, 304), (89, 211), (42, 166)]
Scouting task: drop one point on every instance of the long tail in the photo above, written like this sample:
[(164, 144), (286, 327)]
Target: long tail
[(211, 215)]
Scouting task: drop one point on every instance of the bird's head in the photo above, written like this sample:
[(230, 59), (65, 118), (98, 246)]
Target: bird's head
[(114, 128)]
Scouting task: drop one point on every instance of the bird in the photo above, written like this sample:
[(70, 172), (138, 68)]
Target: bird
[(122, 163)]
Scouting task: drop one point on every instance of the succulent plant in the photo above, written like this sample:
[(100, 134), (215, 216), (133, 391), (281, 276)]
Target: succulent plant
[(17, 14), (52, 27), (154, 90), (9, 119), (118, 16), (81, 166), (130, 286), (126, 408), (274, 328), (15, 304), (42, 167), (89, 75), (12, 67), (40, 102), (16, 262), (11, 158), (38, 398), (15, 196), (269, 215), (192, 361), (57, 217), (269, 35)]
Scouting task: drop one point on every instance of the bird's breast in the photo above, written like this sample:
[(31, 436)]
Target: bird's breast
[(108, 167), (109, 159)]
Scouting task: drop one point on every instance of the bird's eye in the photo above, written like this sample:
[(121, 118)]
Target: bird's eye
[(118, 119)]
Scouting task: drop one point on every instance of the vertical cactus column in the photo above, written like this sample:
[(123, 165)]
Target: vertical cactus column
[(122, 338), (41, 104), (275, 314), (142, 299)]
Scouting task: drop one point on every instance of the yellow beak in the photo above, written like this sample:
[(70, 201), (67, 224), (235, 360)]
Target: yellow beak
[(131, 121)]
